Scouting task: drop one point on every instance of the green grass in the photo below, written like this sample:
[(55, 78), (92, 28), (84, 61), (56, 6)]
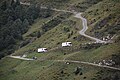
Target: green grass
[(99, 12), (95, 55), (61, 4), (55, 72), (21, 70), (45, 70), (42, 70), (38, 24), (54, 37), (14, 69)]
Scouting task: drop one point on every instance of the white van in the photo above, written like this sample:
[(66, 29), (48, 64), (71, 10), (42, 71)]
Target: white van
[(42, 49), (65, 44)]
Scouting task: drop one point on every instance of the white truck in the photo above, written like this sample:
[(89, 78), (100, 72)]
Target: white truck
[(42, 49), (65, 44)]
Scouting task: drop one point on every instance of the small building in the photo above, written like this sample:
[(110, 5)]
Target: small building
[(42, 49), (65, 44)]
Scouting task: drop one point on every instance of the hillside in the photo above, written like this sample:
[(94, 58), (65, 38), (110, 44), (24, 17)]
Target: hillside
[(15, 20), (55, 24)]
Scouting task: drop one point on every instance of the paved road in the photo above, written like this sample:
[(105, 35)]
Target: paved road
[(85, 27), (77, 15)]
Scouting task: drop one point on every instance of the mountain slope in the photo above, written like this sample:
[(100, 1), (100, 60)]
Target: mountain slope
[(63, 26)]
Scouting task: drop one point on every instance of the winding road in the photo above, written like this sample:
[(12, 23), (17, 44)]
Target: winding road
[(76, 15), (85, 27), (81, 32)]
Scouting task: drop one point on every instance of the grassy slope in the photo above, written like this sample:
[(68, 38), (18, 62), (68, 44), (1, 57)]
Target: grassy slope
[(46, 70), (100, 11), (14, 69), (54, 37), (95, 55), (61, 4)]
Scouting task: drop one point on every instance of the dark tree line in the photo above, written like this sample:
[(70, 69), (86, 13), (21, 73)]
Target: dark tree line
[(14, 21)]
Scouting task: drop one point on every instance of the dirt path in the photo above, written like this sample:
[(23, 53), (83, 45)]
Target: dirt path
[(72, 61), (22, 58), (88, 63)]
